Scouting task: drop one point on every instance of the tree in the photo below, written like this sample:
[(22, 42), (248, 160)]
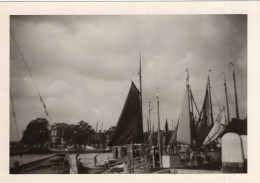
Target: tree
[(68, 133), (83, 133), (36, 132)]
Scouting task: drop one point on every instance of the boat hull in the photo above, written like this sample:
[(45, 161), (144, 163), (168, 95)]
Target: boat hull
[(55, 164), (92, 170)]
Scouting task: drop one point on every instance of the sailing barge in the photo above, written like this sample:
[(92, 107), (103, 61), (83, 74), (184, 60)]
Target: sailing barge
[(126, 141)]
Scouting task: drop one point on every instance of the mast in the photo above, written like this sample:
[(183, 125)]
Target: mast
[(210, 102), (172, 125), (148, 125), (148, 128), (100, 136), (189, 104), (189, 101), (96, 140), (62, 135), (235, 88), (150, 133), (159, 130), (225, 85), (140, 78)]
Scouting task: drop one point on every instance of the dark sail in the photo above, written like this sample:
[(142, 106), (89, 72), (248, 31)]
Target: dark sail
[(129, 127), (205, 122)]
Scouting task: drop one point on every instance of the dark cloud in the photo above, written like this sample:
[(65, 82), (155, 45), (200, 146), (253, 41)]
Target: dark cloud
[(83, 65)]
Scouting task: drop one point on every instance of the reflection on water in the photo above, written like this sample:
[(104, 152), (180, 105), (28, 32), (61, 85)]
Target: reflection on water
[(85, 158)]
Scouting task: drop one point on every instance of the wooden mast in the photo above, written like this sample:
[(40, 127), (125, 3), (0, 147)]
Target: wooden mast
[(96, 140), (210, 102), (140, 79), (159, 130), (225, 85), (235, 88), (189, 101), (189, 104), (100, 136), (150, 123), (141, 101)]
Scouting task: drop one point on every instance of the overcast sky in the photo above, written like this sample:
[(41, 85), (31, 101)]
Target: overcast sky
[(83, 65)]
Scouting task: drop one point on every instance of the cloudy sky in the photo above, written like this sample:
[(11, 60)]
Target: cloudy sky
[(83, 65)]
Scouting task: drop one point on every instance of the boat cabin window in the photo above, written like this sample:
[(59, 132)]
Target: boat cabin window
[(136, 153), (123, 151), (169, 150)]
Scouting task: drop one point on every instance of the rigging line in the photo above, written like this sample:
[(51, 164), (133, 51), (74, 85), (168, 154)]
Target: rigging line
[(152, 116), (147, 94), (219, 106), (16, 125), (44, 106), (218, 117), (231, 102), (194, 102)]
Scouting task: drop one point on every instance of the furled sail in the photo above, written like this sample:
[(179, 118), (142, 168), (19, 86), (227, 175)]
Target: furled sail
[(217, 129), (129, 127), (205, 120), (184, 133)]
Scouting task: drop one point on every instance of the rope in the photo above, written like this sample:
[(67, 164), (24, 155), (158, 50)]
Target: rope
[(41, 99), (194, 102), (231, 101), (219, 106), (16, 126), (152, 113)]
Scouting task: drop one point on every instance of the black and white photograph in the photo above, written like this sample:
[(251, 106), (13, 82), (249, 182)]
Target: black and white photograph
[(128, 94)]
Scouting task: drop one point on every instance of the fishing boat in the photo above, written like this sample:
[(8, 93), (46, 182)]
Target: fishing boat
[(202, 140), (54, 164), (191, 134), (127, 139), (127, 142)]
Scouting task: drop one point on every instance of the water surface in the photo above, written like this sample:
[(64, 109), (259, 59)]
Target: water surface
[(87, 158)]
